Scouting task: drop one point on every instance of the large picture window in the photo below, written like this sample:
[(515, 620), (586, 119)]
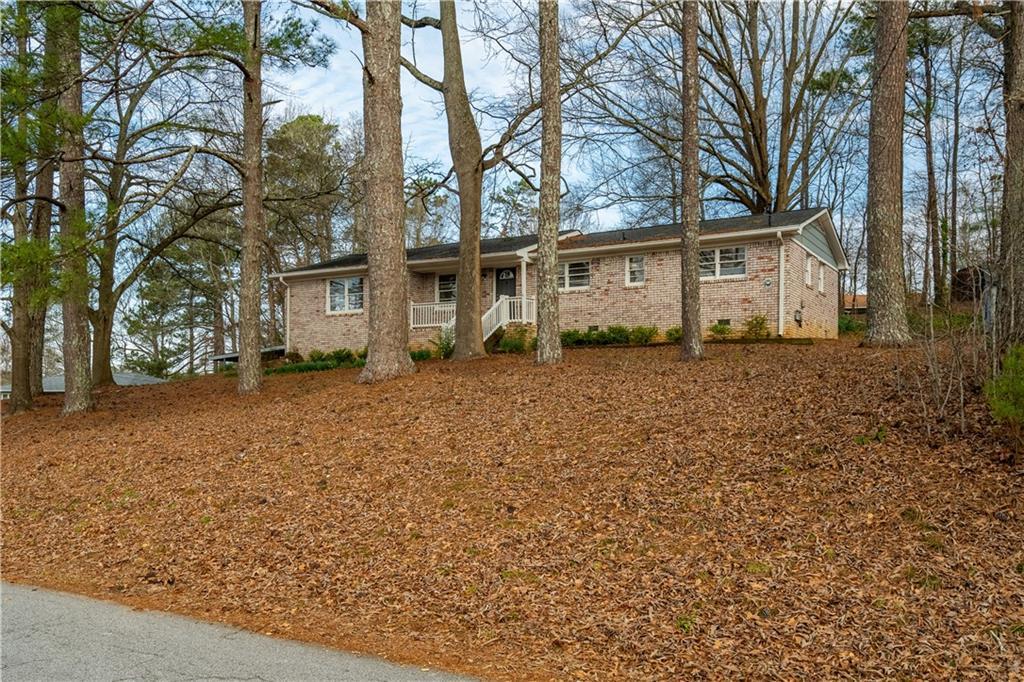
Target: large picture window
[(345, 295), (728, 261), (446, 288), (575, 275)]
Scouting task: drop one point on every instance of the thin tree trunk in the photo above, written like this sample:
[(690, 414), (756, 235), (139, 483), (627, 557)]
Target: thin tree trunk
[(250, 371), (1011, 241), (939, 291), (73, 225), (954, 206), (42, 219), (549, 343), (467, 153), (692, 345), (21, 295), (388, 286), (887, 298)]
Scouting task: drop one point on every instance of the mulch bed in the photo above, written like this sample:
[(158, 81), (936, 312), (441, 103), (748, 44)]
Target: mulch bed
[(774, 511)]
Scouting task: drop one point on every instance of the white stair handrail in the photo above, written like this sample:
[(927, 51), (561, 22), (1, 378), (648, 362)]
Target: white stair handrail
[(506, 309)]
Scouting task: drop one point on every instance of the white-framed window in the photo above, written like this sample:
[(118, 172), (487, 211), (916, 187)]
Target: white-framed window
[(808, 275), (574, 275), (636, 270), (345, 295), (446, 288), (821, 278), (728, 261)]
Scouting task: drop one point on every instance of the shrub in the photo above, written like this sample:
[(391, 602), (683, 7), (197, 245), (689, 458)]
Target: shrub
[(514, 341), (756, 327), (444, 344), (850, 325), (293, 357), (572, 337), (674, 334), (1005, 393), (641, 336), (596, 337), (317, 356), (420, 354), (317, 366), (617, 334), (720, 330), (341, 356), (362, 353)]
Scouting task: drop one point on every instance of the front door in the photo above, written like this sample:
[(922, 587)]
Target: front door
[(504, 282)]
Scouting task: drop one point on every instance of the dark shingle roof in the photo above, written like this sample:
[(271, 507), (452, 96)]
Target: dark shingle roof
[(451, 250), (672, 230), (635, 234)]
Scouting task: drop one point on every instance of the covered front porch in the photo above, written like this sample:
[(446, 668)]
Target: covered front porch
[(505, 297)]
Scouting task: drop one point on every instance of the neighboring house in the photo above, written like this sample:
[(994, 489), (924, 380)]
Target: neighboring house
[(783, 266), (55, 383), (855, 304)]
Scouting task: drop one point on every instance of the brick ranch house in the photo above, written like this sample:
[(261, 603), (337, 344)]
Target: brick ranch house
[(783, 266)]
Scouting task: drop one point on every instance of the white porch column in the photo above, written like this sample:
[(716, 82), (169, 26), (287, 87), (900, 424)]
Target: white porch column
[(523, 270)]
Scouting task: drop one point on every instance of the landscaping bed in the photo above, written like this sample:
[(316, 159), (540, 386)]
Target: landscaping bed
[(773, 511)]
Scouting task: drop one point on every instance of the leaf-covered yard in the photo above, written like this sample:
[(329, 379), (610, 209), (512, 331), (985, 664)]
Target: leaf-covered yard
[(775, 511)]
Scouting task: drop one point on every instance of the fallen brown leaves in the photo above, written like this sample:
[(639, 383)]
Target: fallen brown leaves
[(774, 511)]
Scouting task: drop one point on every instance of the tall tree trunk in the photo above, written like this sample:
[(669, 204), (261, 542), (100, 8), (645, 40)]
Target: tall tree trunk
[(388, 286), (887, 296), (692, 344), (549, 343), (250, 370), (21, 295), (1011, 238), (467, 153), (42, 219), (74, 231)]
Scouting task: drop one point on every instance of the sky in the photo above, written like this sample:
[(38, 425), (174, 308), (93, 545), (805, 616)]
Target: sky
[(336, 91)]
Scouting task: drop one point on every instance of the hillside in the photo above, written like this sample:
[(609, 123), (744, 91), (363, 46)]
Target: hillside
[(773, 511)]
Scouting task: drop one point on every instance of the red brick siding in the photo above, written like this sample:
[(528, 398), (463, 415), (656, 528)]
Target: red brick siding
[(820, 311), (608, 301)]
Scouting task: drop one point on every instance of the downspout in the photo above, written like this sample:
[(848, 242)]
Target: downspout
[(782, 283), (287, 313)]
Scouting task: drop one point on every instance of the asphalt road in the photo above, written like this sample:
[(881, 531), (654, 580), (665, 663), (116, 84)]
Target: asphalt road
[(55, 636)]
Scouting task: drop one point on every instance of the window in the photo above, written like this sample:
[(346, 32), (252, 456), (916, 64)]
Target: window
[(574, 275), (345, 295), (636, 270), (445, 288), (725, 262), (707, 263), (821, 278), (807, 271)]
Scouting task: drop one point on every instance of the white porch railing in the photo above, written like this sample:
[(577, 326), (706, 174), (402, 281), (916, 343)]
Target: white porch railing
[(431, 314), (508, 309), (505, 310)]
